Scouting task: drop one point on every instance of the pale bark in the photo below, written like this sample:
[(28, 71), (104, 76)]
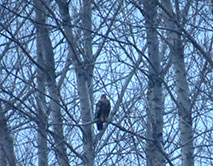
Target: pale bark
[(89, 57), (50, 78), (184, 106), (85, 89), (183, 101), (154, 149), (84, 71), (6, 142), (42, 112)]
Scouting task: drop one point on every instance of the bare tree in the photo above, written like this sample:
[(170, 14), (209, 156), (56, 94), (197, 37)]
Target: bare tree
[(183, 101), (84, 65), (42, 114), (47, 56), (57, 58), (154, 149)]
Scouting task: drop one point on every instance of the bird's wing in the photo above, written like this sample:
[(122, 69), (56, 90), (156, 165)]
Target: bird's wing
[(98, 110), (108, 105)]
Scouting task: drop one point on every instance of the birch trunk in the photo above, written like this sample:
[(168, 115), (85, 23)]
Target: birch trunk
[(184, 110), (7, 156), (84, 71), (42, 112), (50, 75), (184, 104), (154, 155), (85, 89)]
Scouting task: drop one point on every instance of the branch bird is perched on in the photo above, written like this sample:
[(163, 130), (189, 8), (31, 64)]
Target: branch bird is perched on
[(102, 111)]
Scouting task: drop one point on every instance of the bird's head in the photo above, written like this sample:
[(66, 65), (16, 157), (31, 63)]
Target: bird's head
[(103, 96)]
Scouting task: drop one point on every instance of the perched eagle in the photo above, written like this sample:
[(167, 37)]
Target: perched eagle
[(102, 111)]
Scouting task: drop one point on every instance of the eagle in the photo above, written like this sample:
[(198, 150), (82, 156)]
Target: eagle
[(102, 111)]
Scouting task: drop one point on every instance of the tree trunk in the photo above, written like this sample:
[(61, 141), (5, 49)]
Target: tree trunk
[(85, 87), (184, 104), (89, 58), (42, 112), (154, 149), (84, 71), (86, 117), (6, 142), (50, 75)]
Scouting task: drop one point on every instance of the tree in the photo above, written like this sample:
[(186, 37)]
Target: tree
[(57, 57), (183, 100), (42, 115), (154, 149)]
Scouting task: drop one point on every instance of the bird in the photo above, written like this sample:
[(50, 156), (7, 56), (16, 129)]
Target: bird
[(102, 111)]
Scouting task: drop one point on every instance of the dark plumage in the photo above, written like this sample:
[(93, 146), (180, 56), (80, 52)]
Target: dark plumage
[(102, 111)]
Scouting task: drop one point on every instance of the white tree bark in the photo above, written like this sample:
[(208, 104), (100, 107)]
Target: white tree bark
[(184, 104), (85, 90), (84, 66), (42, 112), (50, 78), (154, 149)]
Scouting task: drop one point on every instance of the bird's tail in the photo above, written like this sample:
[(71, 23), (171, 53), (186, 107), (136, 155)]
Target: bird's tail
[(99, 125)]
